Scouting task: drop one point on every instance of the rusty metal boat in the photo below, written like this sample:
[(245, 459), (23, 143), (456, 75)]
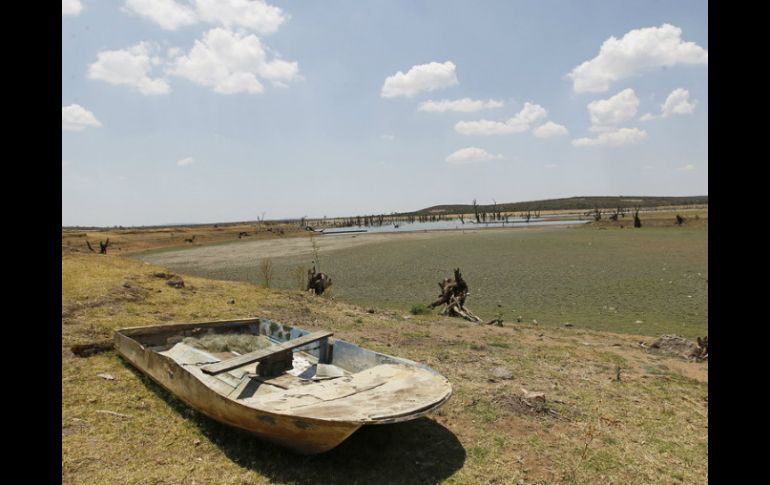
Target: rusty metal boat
[(304, 391)]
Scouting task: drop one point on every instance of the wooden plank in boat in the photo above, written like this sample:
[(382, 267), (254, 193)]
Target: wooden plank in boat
[(261, 354)]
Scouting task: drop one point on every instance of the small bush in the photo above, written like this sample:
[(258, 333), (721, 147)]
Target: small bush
[(420, 309), (266, 268)]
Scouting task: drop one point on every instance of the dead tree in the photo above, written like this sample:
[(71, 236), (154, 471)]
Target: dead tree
[(637, 221), (102, 246), (476, 211), (454, 291), (597, 214), (679, 220), (317, 282)]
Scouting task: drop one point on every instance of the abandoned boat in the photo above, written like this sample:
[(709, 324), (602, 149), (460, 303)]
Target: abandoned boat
[(305, 391)]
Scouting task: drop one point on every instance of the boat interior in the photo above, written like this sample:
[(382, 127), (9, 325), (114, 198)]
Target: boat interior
[(286, 370)]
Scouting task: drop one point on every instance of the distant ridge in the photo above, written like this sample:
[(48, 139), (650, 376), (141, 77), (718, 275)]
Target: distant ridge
[(571, 203)]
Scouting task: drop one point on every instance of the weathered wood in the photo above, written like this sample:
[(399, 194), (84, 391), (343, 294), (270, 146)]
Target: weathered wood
[(317, 282), (87, 350), (453, 295), (262, 354)]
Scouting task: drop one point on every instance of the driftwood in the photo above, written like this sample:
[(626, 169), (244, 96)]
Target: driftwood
[(454, 291), (317, 282), (87, 350), (102, 246)]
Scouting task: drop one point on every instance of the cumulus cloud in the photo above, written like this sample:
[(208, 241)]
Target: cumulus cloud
[(613, 111), (71, 7), (255, 15), (76, 118), (622, 136), (678, 103), (639, 51), (464, 105), (471, 155), (529, 114), (423, 77), (185, 161), (549, 130), (131, 67), (231, 62), (168, 14), (687, 168)]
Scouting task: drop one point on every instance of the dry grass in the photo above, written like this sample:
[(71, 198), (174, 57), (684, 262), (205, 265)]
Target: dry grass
[(649, 427)]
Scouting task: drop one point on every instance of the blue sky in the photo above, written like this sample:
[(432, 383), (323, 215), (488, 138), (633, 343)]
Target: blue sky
[(212, 111)]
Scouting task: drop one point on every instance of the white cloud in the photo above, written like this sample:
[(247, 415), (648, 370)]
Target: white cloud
[(423, 77), (687, 168), (230, 62), (131, 67), (615, 110), (622, 136), (471, 155), (71, 7), (529, 114), (251, 14), (464, 105), (185, 161), (387, 137), (486, 127), (647, 117), (678, 103), (168, 14), (640, 50), (255, 15), (75, 118), (549, 130)]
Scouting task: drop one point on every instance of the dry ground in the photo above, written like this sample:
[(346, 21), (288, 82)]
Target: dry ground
[(650, 426)]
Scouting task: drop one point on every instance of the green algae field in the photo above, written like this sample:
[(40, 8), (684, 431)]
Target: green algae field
[(650, 281)]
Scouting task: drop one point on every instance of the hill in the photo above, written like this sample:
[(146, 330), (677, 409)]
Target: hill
[(571, 203)]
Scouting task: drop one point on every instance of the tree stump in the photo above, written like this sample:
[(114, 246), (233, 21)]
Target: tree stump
[(454, 291), (317, 282)]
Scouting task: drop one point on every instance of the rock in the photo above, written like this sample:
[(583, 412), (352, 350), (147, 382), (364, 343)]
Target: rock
[(534, 321), (197, 442), (161, 274), (370, 310), (502, 373), (176, 282), (533, 396), (568, 324), (231, 301), (107, 376), (638, 322), (677, 346), (518, 319), (126, 284)]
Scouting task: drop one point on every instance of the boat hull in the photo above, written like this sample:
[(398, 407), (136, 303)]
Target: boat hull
[(302, 434)]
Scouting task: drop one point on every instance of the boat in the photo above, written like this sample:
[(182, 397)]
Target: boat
[(304, 391)]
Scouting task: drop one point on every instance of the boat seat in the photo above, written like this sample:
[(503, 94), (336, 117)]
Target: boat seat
[(270, 354)]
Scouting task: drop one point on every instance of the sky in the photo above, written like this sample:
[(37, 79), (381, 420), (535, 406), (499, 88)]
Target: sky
[(195, 111)]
